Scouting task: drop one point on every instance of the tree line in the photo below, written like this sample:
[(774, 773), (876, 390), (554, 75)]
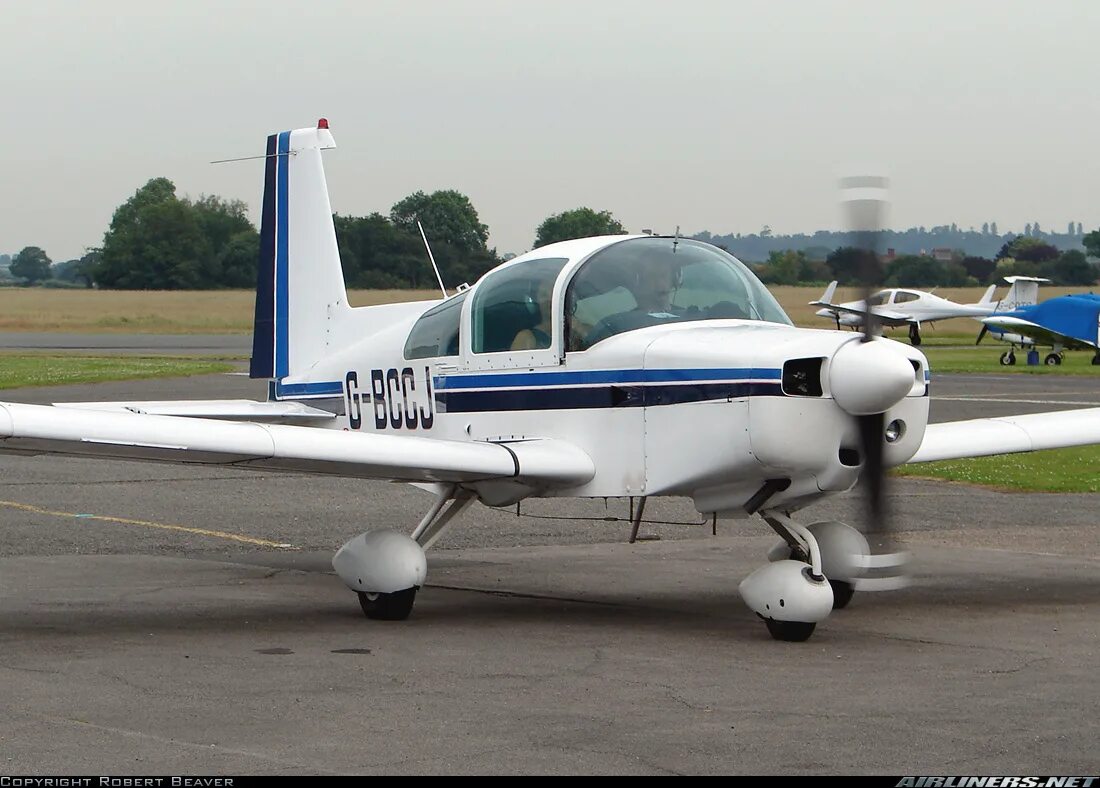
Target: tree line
[(1022, 255), (158, 240), (983, 242)]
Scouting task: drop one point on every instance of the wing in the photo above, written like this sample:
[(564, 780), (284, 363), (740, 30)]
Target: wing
[(884, 315), (1007, 435), (40, 429), (233, 409), (1041, 334)]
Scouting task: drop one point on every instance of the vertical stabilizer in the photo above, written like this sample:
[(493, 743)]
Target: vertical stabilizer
[(1024, 291), (300, 294)]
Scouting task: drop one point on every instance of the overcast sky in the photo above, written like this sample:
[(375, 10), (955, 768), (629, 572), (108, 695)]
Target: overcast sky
[(723, 116)]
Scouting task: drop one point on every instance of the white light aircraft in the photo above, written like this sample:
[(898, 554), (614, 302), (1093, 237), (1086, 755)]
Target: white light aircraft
[(905, 307), (619, 366)]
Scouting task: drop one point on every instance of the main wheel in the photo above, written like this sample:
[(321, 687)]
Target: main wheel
[(388, 607), (790, 631), (1008, 358), (842, 593), (1096, 360), (1052, 360), (914, 336)]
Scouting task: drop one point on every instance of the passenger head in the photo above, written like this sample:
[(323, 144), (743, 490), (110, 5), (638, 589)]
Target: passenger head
[(654, 285)]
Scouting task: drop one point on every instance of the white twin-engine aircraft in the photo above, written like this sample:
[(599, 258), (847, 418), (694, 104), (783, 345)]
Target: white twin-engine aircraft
[(901, 307), (615, 366)]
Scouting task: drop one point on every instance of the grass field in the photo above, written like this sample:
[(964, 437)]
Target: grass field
[(1059, 470), (17, 371), (986, 359), (230, 311), (152, 311)]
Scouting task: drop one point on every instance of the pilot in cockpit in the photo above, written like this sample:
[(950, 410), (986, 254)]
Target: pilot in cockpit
[(538, 336), (653, 285)]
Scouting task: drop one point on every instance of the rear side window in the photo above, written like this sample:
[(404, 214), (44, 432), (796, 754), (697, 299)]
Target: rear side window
[(436, 332), (512, 309)]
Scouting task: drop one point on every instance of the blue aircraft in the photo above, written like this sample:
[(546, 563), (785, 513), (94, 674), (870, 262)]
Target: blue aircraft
[(1070, 322)]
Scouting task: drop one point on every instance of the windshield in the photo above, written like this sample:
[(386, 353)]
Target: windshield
[(650, 281)]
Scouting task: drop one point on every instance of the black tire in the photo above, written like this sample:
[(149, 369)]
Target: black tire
[(790, 631), (1096, 360), (1052, 360), (1008, 359), (388, 607), (914, 336), (842, 593)]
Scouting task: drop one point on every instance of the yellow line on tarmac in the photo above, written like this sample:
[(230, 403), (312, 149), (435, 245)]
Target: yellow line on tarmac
[(26, 507)]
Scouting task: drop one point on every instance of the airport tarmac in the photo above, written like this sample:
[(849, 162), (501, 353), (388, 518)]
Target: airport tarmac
[(130, 344), (141, 632)]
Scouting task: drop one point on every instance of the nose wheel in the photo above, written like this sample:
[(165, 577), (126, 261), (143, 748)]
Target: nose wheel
[(842, 593), (1008, 359), (388, 607), (790, 631)]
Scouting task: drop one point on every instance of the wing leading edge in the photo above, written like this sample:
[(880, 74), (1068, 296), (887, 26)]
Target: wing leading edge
[(40, 429), (1008, 435)]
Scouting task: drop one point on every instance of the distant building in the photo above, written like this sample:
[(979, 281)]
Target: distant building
[(943, 254)]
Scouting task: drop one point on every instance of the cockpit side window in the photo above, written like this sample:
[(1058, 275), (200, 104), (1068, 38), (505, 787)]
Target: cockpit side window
[(652, 281), (512, 309), (436, 333)]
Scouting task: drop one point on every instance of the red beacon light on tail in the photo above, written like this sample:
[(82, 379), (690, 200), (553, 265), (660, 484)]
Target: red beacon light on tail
[(322, 123)]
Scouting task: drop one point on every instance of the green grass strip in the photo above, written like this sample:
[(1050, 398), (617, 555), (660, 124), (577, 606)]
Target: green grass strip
[(19, 371), (1075, 469)]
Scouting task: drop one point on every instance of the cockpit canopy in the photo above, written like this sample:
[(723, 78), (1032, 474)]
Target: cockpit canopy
[(651, 281), (623, 286)]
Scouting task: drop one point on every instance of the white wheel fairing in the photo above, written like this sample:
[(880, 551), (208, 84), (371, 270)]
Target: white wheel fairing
[(844, 550), (381, 562), (784, 591)]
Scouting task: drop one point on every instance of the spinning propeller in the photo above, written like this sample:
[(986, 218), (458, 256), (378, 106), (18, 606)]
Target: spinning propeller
[(869, 376)]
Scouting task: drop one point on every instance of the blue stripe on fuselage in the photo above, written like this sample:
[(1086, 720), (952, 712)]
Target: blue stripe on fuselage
[(282, 310), (280, 390), (598, 389), (596, 376)]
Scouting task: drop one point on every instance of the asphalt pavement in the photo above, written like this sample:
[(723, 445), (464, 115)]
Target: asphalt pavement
[(174, 619)]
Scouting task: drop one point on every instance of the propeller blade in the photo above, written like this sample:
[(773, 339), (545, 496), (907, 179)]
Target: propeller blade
[(865, 202), (871, 430), (981, 334)]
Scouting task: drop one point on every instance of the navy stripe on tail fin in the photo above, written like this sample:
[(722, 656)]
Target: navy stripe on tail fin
[(263, 328)]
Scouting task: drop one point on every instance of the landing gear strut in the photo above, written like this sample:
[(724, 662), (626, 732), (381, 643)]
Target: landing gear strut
[(914, 335)]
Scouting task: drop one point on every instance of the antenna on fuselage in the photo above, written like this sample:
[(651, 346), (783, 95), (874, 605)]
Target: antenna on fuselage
[(676, 240), (432, 258)]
